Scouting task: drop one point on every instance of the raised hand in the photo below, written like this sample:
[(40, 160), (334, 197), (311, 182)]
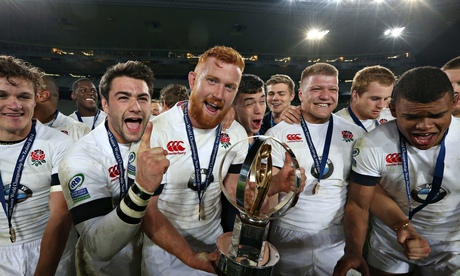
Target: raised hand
[(151, 163)]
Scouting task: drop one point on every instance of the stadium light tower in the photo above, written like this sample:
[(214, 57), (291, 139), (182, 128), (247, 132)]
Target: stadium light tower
[(394, 32)]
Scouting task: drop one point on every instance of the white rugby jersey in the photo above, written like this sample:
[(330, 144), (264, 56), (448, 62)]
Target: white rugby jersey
[(31, 212), (90, 120), (325, 209), (69, 126), (90, 181), (378, 154), (384, 117), (179, 203)]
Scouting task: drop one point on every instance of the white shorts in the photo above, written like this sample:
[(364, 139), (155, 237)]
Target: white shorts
[(22, 259), (307, 254), (386, 254), (156, 261)]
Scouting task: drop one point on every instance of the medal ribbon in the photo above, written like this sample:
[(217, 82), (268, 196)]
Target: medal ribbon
[(201, 188), (319, 166), (357, 121), (117, 154), (437, 177), (17, 174), (94, 120)]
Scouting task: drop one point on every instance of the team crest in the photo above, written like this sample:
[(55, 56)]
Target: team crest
[(38, 157), (225, 140), (347, 136)]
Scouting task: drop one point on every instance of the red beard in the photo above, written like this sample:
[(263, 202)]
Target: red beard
[(203, 119)]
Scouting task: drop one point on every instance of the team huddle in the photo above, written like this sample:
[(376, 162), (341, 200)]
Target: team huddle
[(120, 191)]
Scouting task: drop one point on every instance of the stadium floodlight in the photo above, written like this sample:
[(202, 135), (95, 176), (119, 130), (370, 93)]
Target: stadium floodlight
[(395, 32), (316, 34)]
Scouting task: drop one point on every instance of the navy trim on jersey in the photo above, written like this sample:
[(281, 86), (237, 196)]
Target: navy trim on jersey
[(235, 168), (365, 180), (96, 208), (55, 180)]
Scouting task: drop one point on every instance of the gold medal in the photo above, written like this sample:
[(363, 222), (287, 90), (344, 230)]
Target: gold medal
[(316, 188), (12, 234)]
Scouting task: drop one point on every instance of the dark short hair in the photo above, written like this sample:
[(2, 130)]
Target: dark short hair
[(173, 93), (422, 85), (11, 67), (50, 85), (250, 84), (76, 83), (130, 69)]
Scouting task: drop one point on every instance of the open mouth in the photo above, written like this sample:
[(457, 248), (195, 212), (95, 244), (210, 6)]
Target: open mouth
[(256, 123), (133, 125), (212, 108), (423, 138)]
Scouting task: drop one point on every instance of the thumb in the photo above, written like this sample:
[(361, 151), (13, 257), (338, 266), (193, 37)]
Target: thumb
[(402, 236), (287, 159), (145, 140)]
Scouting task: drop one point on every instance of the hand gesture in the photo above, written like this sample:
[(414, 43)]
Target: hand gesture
[(415, 246), (151, 163), (292, 115), (285, 179)]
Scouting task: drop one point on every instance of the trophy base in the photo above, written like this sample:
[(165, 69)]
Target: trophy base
[(226, 265)]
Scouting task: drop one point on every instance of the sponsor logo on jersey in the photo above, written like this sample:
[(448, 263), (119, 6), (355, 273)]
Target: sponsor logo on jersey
[(328, 169), (76, 181), (175, 148), (23, 193), (292, 138), (38, 157), (114, 173), (382, 121), (347, 136), (131, 167), (420, 193), (225, 140), (393, 159), (75, 193), (355, 152)]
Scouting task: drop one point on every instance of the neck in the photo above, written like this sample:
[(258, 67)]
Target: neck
[(314, 120), (353, 108), (276, 117), (45, 117), (84, 112)]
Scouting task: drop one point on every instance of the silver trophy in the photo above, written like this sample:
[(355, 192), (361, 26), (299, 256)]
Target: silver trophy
[(245, 251)]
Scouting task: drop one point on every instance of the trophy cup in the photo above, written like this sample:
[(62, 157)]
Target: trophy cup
[(245, 251)]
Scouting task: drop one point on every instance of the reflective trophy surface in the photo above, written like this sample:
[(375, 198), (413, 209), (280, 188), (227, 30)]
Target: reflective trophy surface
[(245, 251)]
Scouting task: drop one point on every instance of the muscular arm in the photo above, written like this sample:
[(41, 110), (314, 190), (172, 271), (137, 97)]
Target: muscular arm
[(415, 246), (356, 221), (160, 230), (55, 236)]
